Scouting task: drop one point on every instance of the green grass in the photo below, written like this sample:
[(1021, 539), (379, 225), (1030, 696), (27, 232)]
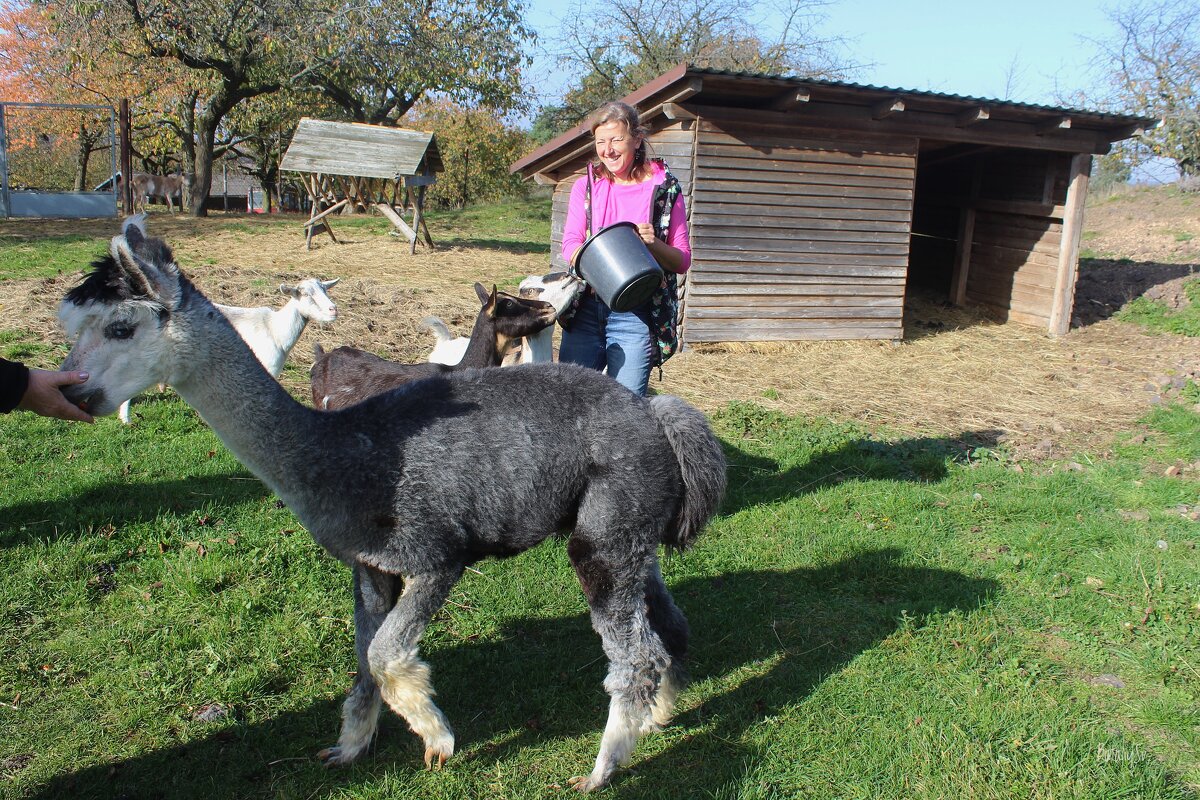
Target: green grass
[(1156, 316), (872, 617), (44, 257)]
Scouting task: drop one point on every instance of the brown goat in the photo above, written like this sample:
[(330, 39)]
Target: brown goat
[(347, 375)]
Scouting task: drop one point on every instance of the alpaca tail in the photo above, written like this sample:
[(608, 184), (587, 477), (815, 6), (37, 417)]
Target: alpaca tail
[(439, 329), (701, 463)]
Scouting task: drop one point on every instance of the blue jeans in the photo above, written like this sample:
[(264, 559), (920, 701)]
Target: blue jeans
[(618, 341)]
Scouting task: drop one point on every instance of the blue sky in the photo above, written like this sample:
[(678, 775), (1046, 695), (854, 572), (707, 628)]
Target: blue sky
[(965, 48)]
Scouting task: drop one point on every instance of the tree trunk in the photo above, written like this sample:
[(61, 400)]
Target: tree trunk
[(206, 135), (82, 157)]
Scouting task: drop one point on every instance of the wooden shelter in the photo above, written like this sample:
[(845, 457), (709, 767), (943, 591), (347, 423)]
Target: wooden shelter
[(348, 162), (815, 206)]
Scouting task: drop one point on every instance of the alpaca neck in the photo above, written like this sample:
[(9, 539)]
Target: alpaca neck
[(244, 405), (539, 347)]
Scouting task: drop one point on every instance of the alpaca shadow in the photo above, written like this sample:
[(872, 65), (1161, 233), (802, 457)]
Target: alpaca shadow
[(788, 630), (119, 504), (1104, 286), (517, 248), (754, 479)]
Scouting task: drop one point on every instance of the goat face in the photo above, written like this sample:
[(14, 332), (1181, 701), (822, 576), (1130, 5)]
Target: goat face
[(559, 289), (515, 317), (315, 304)]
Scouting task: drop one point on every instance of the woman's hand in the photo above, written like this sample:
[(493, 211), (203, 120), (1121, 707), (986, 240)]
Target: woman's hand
[(646, 232), (44, 395)]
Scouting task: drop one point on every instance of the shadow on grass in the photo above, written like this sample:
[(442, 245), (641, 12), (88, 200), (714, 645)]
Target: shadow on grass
[(541, 682), (1104, 286), (120, 504), (754, 479), (517, 248)]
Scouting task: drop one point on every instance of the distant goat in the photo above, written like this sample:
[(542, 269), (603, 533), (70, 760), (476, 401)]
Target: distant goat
[(348, 375), (411, 487), (168, 187), (272, 333), (559, 289)]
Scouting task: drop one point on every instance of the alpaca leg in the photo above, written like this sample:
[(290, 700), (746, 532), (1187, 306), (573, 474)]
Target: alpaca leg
[(374, 596), (639, 660), (402, 676), (671, 626)]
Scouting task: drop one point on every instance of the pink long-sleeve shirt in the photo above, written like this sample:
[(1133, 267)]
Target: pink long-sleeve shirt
[(614, 202)]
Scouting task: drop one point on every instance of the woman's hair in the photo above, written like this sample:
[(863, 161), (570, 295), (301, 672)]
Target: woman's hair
[(627, 115)]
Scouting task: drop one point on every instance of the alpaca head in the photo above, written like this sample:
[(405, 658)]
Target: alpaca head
[(119, 320), (559, 289), (315, 304)]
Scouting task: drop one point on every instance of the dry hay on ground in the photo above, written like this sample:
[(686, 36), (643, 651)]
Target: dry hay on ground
[(956, 375)]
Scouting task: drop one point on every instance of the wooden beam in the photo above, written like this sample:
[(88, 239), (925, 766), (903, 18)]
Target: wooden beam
[(676, 111), (318, 217), (966, 238), (1052, 126), (791, 99), (1068, 253), (972, 116), (887, 107), (953, 153), (398, 222), (545, 179)]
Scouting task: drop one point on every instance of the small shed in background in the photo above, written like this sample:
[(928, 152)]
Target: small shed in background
[(344, 163), (815, 206)]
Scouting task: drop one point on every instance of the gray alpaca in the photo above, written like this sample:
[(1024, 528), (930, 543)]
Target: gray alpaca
[(413, 485)]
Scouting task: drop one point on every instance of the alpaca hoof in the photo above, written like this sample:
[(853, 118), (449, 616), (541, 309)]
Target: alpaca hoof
[(335, 756), (435, 756), (583, 783)]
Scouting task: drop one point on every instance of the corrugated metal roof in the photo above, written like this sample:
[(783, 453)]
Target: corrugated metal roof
[(960, 98), (361, 151), (1110, 127)]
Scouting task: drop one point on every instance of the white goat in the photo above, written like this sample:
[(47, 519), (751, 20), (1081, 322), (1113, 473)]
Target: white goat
[(559, 289), (272, 333)]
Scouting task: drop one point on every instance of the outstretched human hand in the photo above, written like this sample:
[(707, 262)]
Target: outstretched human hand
[(44, 396)]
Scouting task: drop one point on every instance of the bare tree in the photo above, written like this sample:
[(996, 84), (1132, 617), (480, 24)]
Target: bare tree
[(1153, 62), (641, 39)]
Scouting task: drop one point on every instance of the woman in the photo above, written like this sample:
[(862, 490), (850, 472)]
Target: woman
[(624, 185)]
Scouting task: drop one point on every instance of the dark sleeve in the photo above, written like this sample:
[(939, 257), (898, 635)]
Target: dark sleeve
[(14, 380)]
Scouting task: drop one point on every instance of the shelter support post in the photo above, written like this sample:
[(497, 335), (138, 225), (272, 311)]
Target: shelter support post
[(1068, 253), (966, 238)]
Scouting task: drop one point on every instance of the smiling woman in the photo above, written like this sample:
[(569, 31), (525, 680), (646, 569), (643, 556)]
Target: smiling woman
[(625, 185)]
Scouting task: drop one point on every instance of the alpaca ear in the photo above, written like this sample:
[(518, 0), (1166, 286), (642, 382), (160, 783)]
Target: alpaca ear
[(135, 279)]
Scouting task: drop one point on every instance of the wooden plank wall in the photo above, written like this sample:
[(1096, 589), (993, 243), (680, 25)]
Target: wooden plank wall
[(1014, 256), (798, 234)]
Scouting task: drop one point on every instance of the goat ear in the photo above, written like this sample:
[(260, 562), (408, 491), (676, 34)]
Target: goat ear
[(481, 292), (330, 284), (287, 288)]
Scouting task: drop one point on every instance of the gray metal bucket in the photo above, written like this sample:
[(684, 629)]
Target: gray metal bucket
[(617, 264)]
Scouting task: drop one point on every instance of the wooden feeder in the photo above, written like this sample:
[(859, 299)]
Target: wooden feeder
[(346, 163)]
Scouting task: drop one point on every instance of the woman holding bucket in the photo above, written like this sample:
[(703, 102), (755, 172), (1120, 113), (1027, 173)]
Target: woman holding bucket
[(624, 185)]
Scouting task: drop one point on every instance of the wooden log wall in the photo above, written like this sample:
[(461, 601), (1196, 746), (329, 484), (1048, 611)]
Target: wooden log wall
[(798, 234), (1018, 232)]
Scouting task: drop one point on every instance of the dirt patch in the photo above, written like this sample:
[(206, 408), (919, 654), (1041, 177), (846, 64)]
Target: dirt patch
[(957, 375)]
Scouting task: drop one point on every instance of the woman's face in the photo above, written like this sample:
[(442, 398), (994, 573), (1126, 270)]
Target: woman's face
[(615, 147)]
